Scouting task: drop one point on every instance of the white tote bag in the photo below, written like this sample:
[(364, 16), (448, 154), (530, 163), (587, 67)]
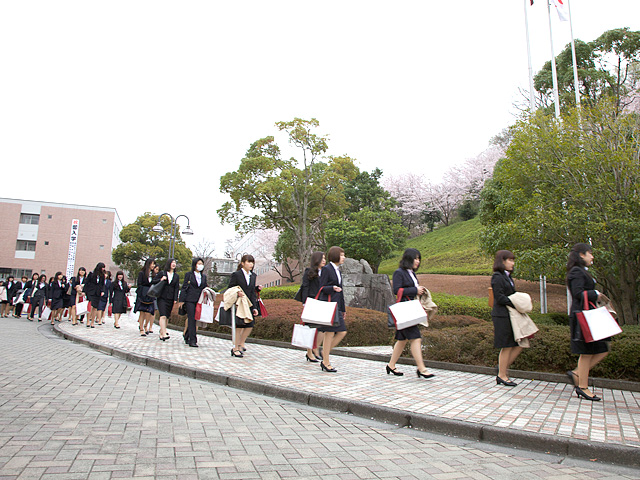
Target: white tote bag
[(407, 314), (83, 307), (601, 324), (206, 313), (304, 336), (319, 312), (46, 313)]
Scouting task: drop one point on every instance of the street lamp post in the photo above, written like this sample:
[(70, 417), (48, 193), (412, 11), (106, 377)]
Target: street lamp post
[(174, 228)]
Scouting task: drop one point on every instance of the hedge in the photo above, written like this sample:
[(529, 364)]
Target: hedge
[(460, 338)]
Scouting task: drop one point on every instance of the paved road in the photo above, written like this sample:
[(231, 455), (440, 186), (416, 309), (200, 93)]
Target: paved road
[(70, 412)]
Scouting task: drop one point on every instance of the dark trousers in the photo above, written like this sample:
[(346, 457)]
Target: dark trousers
[(36, 303), (192, 339), (18, 310)]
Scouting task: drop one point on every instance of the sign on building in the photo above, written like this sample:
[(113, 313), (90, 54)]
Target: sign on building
[(73, 243)]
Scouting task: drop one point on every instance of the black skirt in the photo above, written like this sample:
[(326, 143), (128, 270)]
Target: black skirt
[(409, 333), (165, 307), (503, 333), (338, 325)]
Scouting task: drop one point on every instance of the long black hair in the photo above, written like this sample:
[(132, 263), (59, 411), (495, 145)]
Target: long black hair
[(316, 260), (408, 257), (99, 270), (167, 266), (147, 266), (575, 260)]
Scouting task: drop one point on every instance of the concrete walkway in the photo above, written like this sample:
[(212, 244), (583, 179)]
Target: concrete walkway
[(536, 415)]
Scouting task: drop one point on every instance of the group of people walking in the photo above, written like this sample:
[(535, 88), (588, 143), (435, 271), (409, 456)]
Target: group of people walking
[(160, 290)]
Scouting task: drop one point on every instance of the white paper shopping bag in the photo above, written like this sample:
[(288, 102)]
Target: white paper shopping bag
[(46, 313), (83, 307), (304, 336), (407, 314), (319, 312)]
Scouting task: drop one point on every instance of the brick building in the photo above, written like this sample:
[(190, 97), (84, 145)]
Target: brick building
[(47, 237)]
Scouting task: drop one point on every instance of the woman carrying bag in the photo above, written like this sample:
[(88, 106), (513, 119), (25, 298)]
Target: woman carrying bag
[(144, 303), (405, 278), (579, 282), (94, 289), (194, 282), (118, 297), (502, 285), (39, 295), (310, 287), (169, 294), (77, 294), (56, 295), (331, 291), (244, 278)]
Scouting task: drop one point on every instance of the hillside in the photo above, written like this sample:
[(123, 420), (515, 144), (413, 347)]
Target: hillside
[(448, 250)]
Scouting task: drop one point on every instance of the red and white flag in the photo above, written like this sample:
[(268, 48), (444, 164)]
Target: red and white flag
[(562, 9)]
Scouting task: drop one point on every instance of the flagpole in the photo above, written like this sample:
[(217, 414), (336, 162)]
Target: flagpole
[(573, 56), (532, 103), (554, 73)]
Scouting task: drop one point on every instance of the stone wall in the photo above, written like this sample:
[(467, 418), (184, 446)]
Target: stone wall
[(363, 288)]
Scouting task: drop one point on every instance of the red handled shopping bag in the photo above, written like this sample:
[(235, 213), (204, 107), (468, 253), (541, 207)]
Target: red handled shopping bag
[(261, 308), (596, 323), (406, 314), (303, 336), (46, 313), (83, 307), (318, 312)]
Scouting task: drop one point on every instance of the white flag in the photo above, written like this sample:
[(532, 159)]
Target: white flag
[(562, 9)]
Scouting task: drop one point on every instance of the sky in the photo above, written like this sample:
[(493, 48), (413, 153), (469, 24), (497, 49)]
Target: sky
[(143, 105)]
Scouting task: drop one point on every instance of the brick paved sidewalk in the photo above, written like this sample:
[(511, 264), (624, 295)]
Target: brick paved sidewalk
[(533, 406)]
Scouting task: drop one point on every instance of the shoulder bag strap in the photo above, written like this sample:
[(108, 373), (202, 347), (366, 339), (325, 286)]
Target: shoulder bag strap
[(400, 292)]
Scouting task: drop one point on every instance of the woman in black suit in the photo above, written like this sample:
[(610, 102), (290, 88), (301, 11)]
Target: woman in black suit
[(6, 304), (77, 293), (56, 295), (144, 303), (94, 289), (39, 295), (404, 277), (310, 288), (579, 281), (331, 286), (244, 278), (118, 297), (503, 286), (194, 282), (169, 295)]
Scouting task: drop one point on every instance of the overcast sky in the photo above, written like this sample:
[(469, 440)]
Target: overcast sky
[(143, 105)]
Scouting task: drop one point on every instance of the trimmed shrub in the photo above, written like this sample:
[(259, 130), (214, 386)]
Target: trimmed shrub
[(460, 305), (282, 292)]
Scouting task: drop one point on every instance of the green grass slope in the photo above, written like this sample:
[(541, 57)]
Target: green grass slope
[(451, 250)]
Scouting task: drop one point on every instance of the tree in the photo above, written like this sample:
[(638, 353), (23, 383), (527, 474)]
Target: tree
[(567, 182), (205, 250), (410, 194), (606, 68), (284, 253), (140, 242), (368, 234), (299, 195), (365, 191)]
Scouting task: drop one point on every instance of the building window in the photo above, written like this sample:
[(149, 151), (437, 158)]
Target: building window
[(46, 242), (29, 219), (101, 247), (21, 272), (104, 220), (49, 217), (25, 246)]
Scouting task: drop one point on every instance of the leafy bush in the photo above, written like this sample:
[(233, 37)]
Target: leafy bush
[(282, 292), (460, 305)]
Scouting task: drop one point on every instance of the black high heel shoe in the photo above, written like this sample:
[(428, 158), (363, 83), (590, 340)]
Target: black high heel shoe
[(425, 375), (507, 383), (236, 353), (312, 360), (327, 369), (394, 371), (580, 393)]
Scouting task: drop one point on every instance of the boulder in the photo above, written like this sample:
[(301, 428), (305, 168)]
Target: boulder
[(363, 288)]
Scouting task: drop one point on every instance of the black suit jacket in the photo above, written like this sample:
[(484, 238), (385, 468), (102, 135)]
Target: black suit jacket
[(309, 287), (580, 281), (94, 285), (171, 289), (237, 280), (190, 291), (502, 288), (56, 291), (328, 280), (403, 279)]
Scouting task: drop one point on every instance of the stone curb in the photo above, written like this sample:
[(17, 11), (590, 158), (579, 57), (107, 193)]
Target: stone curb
[(564, 446), (459, 367)]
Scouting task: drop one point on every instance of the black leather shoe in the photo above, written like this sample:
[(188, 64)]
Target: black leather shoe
[(425, 375), (193, 345), (312, 360), (394, 371), (581, 393), (236, 353), (327, 369), (506, 383)]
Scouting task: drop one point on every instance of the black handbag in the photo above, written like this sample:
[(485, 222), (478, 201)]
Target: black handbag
[(155, 290), (224, 316), (182, 310), (298, 297)]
